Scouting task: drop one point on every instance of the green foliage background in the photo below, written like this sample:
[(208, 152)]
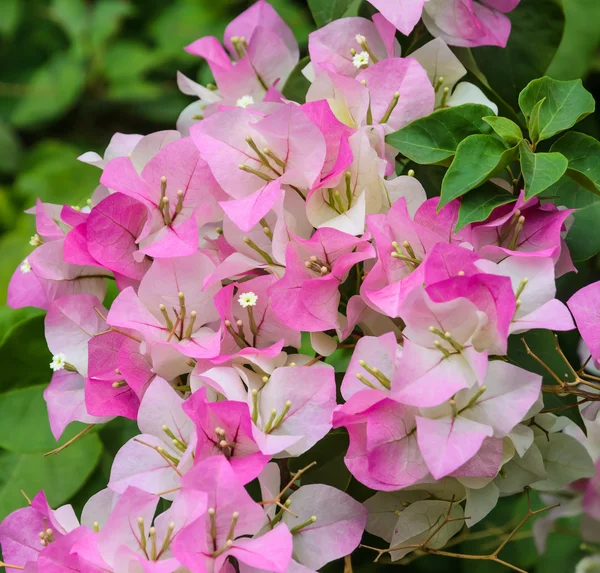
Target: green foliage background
[(73, 72)]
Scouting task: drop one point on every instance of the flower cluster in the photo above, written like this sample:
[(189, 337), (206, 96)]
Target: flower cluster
[(259, 226)]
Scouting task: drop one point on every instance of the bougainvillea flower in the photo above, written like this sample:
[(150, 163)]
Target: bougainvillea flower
[(292, 410), (444, 71), (111, 232), (155, 460), (492, 295), (393, 85), (263, 49), (112, 386), (132, 538), (316, 517), (229, 527), (584, 305), (449, 441), (383, 453), (177, 188), (120, 145), (225, 428), (361, 190), (398, 269), (45, 276), (70, 324), (171, 308), (26, 531), (439, 358), (248, 318), (469, 24), (234, 143), (373, 365), (307, 296), (533, 282), (336, 45), (523, 227), (403, 15)]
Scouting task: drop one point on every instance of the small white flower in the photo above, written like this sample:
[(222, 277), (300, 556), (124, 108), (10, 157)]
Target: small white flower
[(25, 267), (35, 241), (58, 362), (360, 60), (247, 299), (245, 101)]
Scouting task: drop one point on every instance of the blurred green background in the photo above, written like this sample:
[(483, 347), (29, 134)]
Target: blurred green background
[(73, 72)]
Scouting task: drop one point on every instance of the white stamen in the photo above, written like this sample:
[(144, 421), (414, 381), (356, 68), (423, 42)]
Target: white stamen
[(360, 60), (247, 299), (25, 267), (245, 101), (58, 362)]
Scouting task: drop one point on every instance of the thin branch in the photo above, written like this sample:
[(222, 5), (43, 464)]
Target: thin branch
[(543, 364), (422, 547), (8, 566), (67, 444), (277, 499)]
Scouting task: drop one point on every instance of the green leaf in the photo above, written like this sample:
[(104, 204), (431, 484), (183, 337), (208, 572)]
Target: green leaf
[(505, 128), (325, 11), (11, 149), (107, 17), (53, 89), (478, 204), (25, 408), (566, 104), (583, 153), (434, 138), (12, 10), (124, 60), (579, 42), (478, 158), (329, 454), (536, 32), (583, 238), (568, 192), (533, 121), (540, 170), (60, 476), (24, 355), (72, 16), (297, 85), (53, 174), (565, 459)]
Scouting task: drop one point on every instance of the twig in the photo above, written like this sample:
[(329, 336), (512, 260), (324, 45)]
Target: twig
[(494, 556), (277, 499), (67, 444), (8, 566)]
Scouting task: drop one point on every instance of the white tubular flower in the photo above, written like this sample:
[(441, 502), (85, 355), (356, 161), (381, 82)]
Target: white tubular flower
[(247, 299), (58, 362), (25, 267), (360, 59), (35, 241), (245, 101)]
